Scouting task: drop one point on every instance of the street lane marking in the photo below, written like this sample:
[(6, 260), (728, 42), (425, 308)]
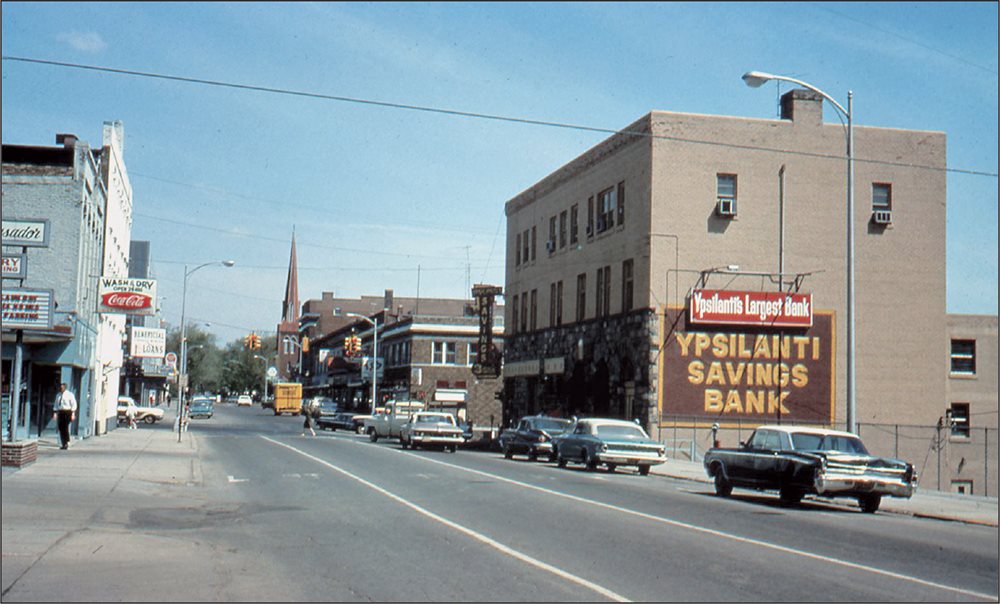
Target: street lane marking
[(708, 531), (231, 479), (471, 533)]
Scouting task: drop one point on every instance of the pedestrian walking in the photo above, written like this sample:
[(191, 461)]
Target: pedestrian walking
[(307, 424), (64, 412), (130, 416)]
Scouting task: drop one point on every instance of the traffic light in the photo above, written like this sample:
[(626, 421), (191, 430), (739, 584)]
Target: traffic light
[(256, 342), (248, 341), (356, 344), (348, 346), (305, 343)]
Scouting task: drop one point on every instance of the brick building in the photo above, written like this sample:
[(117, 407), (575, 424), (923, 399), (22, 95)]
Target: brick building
[(605, 253)]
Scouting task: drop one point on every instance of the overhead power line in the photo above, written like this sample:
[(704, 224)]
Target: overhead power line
[(485, 116)]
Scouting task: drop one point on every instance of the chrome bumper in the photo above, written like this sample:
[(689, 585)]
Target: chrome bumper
[(438, 439), (632, 458), (834, 483)]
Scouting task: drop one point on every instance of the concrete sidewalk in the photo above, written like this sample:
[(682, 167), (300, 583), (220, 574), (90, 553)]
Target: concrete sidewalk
[(924, 504), (68, 500)]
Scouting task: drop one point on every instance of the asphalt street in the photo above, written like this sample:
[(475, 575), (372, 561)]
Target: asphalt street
[(272, 515)]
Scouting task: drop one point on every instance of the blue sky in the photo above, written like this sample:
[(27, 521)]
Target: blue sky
[(375, 192)]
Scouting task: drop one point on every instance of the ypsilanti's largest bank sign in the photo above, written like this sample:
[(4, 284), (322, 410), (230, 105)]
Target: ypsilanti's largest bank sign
[(748, 355)]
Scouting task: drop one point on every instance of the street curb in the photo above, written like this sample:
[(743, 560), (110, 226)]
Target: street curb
[(888, 510)]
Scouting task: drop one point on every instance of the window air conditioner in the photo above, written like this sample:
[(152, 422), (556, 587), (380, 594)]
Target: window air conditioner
[(726, 207), (550, 245), (882, 216)]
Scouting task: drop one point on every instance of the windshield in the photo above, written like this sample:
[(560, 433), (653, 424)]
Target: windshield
[(433, 419), (828, 442), (552, 425), (202, 401), (621, 431)]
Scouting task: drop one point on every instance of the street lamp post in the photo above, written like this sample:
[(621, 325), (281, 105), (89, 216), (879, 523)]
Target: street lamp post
[(755, 79), (374, 324), (184, 376), (263, 394)]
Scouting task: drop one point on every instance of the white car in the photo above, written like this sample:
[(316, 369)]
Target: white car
[(244, 401), (150, 415)]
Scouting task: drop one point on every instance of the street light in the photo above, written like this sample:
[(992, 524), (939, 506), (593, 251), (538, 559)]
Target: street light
[(374, 324), (755, 79), (183, 376), (263, 396)]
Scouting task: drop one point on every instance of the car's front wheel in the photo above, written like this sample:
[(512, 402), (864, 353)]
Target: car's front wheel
[(149, 419), (507, 453), (587, 461), (643, 470), (561, 461), (790, 495), (723, 488), (869, 503), (373, 435), (452, 448)]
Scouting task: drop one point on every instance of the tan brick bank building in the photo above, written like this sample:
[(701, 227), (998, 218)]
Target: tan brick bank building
[(747, 219)]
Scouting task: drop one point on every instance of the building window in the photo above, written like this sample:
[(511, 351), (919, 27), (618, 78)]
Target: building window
[(574, 223), (534, 309), (524, 249), (443, 353), (473, 353), (606, 207), (963, 357), (562, 229), (726, 194), (552, 234), (961, 487), (517, 251), (514, 322), (581, 297), (621, 203), (552, 305), (603, 292), (627, 287), (524, 312), (534, 240), (959, 418), (881, 197), (590, 217), (559, 302)]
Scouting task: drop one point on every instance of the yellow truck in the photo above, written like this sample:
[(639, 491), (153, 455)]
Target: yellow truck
[(287, 398)]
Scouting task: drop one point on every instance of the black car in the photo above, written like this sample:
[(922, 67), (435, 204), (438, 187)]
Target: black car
[(533, 437), (343, 420)]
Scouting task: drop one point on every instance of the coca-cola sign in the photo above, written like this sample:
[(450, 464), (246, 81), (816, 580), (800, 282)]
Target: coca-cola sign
[(127, 296)]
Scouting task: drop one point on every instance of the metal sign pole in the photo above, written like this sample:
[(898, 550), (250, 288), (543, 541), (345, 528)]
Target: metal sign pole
[(15, 396)]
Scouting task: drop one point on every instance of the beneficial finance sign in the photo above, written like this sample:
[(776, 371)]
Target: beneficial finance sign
[(749, 373)]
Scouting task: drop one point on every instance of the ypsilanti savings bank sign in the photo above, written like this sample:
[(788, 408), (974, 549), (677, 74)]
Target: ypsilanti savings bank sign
[(748, 355)]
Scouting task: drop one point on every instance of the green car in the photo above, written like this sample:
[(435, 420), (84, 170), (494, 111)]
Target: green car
[(613, 442), (201, 407)]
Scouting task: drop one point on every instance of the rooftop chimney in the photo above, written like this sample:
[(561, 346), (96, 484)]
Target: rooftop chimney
[(387, 301), (802, 107), (67, 140)]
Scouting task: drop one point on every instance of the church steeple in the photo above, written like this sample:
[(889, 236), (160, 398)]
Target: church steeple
[(290, 306)]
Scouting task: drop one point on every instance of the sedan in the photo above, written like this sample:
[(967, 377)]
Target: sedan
[(201, 407), (612, 442), (150, 415), (430, 428), (810, 461), (244, 401), (533, 437), (343, 420)]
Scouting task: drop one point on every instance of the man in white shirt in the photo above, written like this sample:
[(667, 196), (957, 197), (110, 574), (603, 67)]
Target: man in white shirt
[(64, 412)]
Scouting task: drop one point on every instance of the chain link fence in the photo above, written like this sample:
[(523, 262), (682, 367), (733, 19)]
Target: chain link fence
[(959, 461)]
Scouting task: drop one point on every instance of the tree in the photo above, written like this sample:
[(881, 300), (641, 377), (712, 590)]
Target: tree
[(204, 363)]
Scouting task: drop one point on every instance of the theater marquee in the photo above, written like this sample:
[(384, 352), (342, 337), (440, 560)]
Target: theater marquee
[(719, 373)]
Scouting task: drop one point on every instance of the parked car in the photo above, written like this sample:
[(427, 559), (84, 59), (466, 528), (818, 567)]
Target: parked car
[(150, 415), (343, 420), (800, 461), (533, 437), (244, 401), (613, 442), (426, 428), (201, 407)]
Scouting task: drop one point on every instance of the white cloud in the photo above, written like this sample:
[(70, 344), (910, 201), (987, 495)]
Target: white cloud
[(91, 42)]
